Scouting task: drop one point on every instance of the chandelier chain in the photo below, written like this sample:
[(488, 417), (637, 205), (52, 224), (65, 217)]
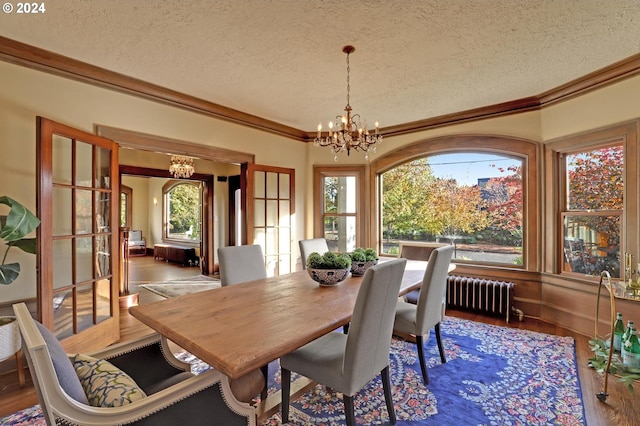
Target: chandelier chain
[(348, 81)]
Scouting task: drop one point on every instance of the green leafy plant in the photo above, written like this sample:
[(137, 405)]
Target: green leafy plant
[(363, 255), (329, 260), (627, 375), (14, 227)]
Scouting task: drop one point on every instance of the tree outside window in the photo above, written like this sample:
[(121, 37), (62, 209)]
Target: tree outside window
[(593, 209), (126, 200), (471, 200), (182, 206), (340, 213), (339, 202)]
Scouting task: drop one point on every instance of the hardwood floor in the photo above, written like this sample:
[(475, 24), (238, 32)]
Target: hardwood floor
[(142, 270), (621, 407)]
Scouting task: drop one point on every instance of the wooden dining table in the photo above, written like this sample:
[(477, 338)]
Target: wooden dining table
[(239, 328)]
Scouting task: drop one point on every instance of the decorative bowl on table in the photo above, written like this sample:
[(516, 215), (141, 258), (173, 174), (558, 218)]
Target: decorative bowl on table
[(362, 259), (329, 268), (359, 268), (328, 277)]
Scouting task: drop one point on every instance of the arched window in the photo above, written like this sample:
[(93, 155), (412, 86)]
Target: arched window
[(468, 191), (471, 200), (182, 211)]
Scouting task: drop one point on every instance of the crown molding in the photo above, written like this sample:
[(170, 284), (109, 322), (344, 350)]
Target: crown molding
[(43, 60), (613, 73), (491, 111)]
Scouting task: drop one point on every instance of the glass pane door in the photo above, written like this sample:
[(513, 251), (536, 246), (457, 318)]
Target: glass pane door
[(78, 292), (270, 208)]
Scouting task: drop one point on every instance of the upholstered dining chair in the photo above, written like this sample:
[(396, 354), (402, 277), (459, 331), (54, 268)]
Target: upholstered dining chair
[(132, 383), (239, 264), (429, 311), (347, 362), (414, 250), (314, 245)]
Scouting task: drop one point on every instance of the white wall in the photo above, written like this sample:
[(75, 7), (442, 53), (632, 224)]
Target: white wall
[(612, 104), (147, 194), (139, 203), (26, 93)]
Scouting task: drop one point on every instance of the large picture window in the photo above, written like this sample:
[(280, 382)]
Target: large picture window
[(471, 200), (478, 192), (182, 207)]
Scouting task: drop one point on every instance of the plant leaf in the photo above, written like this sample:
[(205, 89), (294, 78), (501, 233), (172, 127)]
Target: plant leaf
[(20, 221), (25, 244), (9, 273)]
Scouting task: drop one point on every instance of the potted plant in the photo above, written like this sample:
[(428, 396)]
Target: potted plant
[(14, 227), (329, 268), (362, 259)]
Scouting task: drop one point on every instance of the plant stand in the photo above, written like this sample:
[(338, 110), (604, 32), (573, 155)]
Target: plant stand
[(126, 298), (10, 346), (20, 367)]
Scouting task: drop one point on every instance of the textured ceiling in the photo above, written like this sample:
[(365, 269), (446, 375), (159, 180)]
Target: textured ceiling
[(282, 59)]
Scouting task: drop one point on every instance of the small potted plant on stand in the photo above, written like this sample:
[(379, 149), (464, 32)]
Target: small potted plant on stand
[(330, 268), (14, 227)]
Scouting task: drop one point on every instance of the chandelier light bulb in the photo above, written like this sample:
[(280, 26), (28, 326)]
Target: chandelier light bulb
[(181, 166)]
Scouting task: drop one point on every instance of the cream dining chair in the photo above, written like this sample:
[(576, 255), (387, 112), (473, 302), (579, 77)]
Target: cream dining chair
[(314, 245), (429, 311), (239, 264), (415, 250), (347, 362)]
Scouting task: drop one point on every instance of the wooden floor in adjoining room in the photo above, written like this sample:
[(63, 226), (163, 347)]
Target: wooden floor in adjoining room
[(621, 407)]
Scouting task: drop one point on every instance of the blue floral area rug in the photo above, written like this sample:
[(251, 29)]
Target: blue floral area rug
[(493, 376)]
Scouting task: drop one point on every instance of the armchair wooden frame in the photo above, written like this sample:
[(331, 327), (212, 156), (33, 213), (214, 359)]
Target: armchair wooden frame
[(211, 386)]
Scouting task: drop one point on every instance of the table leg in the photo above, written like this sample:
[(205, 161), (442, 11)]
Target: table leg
[(271, 405)]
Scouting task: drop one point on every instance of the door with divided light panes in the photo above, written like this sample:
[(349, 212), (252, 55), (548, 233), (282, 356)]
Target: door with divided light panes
[(270, 215), (78, 257)]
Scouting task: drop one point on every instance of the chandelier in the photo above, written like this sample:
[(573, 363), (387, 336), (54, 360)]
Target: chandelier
[(181, 166), (350, 134)]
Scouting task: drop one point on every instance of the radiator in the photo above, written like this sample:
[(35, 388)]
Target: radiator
[(481, 295)]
